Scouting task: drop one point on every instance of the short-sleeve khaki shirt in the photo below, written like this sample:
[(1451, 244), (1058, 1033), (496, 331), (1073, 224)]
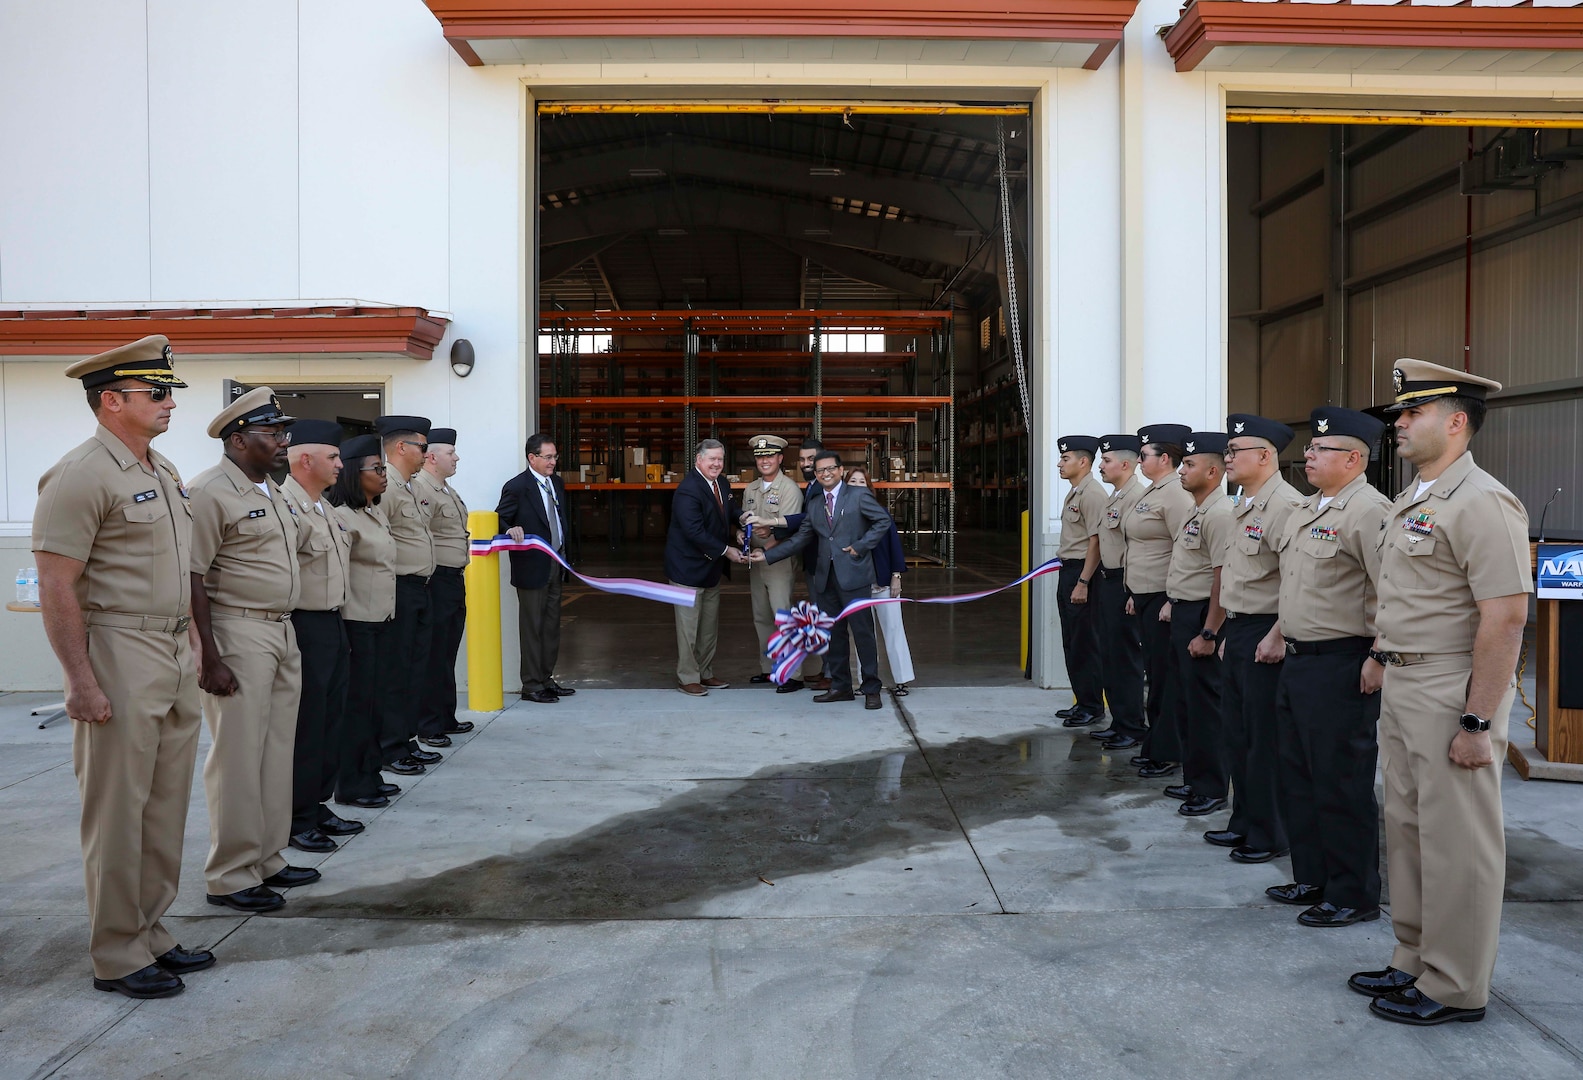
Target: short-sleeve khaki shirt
[(1150, 528), (1082, 514), (447, 518), (1112, 541), (1199, 548), (1250, 583), (244, 542), (772, 503), (371, 586), (323, 549), (408, 510), (1330, 562), (130, 526), (1464, 540)]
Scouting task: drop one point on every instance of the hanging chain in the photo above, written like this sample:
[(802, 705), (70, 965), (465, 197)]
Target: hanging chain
[(1013, 320)]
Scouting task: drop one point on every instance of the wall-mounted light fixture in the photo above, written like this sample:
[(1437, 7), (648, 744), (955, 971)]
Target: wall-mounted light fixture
[(462, 357)]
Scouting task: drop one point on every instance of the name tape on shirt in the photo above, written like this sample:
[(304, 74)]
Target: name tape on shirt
[(145, 496), (257, 513)]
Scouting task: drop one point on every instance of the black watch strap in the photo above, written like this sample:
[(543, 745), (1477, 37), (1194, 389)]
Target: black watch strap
[(1380, 657), (1472, 722)]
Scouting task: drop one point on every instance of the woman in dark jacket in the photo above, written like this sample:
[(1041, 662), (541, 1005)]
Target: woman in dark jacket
[(890, 563)]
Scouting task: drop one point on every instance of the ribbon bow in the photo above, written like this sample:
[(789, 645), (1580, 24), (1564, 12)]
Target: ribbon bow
[(800, 632)]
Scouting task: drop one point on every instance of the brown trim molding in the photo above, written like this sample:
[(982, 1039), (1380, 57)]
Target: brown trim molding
[(1096, 22), (404, 331), (1206, 24)]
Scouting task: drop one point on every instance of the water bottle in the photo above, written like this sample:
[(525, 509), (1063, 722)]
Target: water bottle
[(21, 584), (32, 585)]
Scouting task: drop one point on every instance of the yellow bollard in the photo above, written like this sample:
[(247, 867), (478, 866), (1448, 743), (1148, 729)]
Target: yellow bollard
[(485, 688)]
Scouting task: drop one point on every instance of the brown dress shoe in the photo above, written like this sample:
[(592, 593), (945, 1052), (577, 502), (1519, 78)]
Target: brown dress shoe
[(716, 684), (821, 683), (833, 695), (693, 689)]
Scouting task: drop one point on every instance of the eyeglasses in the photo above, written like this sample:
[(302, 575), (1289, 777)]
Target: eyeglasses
[(547, 457), (1233, 451), (1315, 448), (423, 447), (380, 469), (829, 469), (281, 437), (155, 393)]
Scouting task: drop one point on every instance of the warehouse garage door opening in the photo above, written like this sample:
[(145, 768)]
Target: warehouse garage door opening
[(839, 270)]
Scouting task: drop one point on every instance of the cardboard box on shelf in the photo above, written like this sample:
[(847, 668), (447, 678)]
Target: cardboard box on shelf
[(596, 474), (897, 476), (634, 455), (897, 464), (654, 473), (746, 475)]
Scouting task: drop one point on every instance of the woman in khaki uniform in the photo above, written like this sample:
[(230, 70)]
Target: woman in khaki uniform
[(369, 613)]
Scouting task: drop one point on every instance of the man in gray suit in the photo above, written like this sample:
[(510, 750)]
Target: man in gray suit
[(846, 523)]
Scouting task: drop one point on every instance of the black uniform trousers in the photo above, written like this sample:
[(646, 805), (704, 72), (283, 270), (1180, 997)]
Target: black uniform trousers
[(1248, 724), (858, 628), (1329, 746), (1080, 640), (367, 699), (1122, 665), (447, 620), (1198, 697), (409, 659), (321, 731), (1164, 740)]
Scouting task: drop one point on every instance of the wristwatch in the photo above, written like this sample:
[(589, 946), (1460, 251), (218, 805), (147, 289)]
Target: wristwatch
[(1381, 658), (1208, 635), (1473, 722)]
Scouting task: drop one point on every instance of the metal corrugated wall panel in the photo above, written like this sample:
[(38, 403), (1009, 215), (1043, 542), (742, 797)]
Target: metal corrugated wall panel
[(1533, 449), (1546, 278), (1421, 317), (1292, 365), (1289, 152), (1300, 235), (1421, 228), (1423, 153), (1367, 382)]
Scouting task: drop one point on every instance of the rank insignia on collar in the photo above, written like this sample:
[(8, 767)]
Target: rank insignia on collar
[(1324, 532)]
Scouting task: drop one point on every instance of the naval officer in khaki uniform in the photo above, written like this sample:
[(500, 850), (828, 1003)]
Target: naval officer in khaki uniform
[(1082, 516), (1325, 709), (1119, 645), (1250, 591), (766, 504), (245, 583), (323, 553), (111, 533), (447, 590), (1453, 600), (408, 508)]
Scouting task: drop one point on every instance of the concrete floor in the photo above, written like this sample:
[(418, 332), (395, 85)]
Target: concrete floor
[(637, 884)]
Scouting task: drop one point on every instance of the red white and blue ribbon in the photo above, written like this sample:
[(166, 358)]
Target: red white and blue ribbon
[(679, 595), (804, 630)]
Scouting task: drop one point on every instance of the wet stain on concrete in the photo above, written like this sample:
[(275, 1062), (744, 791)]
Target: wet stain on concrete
[(1539, 867)]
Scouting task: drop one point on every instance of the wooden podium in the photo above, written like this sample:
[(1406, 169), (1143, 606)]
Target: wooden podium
[(1557, 750)]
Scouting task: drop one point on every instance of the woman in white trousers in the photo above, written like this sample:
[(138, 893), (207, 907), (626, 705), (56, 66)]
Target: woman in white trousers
[(890, 563)]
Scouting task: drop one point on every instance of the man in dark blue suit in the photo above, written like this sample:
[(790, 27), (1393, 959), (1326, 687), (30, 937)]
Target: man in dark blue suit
[(534, 503), (844, 524), (698, 548), (813, 675)]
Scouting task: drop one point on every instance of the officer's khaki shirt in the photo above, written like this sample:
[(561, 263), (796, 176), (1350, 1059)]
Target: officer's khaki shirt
[(408, 510), (1250, 582), (1082, 514), (1330, 561), (770, 505), (132, 527), (1112, 541), (1199, 547), (244, 543), (1464, 541), (1151, 528), (447, 518), (371, 586), (323, 547)]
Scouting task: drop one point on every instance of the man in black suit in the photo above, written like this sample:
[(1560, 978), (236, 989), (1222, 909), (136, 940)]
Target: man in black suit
[(534, 502), (846, 523), (697, 549)]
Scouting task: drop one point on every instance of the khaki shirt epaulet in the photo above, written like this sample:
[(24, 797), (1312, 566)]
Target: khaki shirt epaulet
[(129, 526), (408, 515), (1199, 548), (244, 542), (1150, 528), (1112, 541), (371, 578), (1330, 563), (323, 550), (1082, 514), (1250, 583), (447, 522), (783, 498), (1464, 540)]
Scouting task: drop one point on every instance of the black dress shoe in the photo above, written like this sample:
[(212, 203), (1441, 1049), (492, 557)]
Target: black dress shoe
[(1121, 742), (1107, 733), (1179, 791), (1157, 768), (435, 740), (312, 840), (790, 686), (1226, 838), (426, 757), (179, 961), (1295, 893), (383, 788), (253, 901), (1140, 761), (405, 767), (835, 695), (871, 701), (1327, 914), (760, 679), (289, 877), (1413, 1006), (149, 982), (1080, 718), (1376, 983), (366, 802), (542, 697), (560, 691), (1252, 855), (335, 825), (1069, 711), (458, 727), (1199, 805)]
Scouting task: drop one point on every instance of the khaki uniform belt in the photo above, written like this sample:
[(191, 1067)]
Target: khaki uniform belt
[(159, 624), (249, 613)]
